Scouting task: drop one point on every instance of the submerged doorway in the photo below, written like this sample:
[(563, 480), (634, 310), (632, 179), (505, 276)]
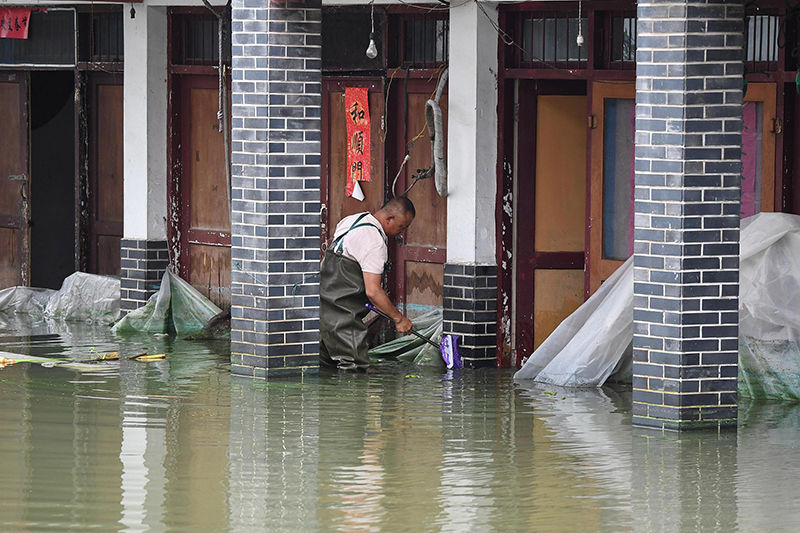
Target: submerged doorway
[(52, 182)]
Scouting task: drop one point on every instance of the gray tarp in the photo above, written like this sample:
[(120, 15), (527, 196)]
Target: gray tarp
[(82, 297), (177, 308), (594, 342)]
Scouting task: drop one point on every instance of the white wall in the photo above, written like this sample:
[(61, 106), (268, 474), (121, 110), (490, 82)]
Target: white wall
[(145, 124), (472, 130)]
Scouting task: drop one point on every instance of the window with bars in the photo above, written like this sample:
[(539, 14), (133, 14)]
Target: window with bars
[(623, 39), (105, 37), (425, 42), (553, 39), (196, 40), (761, 36)]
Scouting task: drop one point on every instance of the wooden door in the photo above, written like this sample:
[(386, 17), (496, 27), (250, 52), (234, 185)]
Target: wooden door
[(421, 252), (205, 226), (335, 203), (550, 210), (14, 182), (612, 169), (759, 128), (105, 174), (611, 180)]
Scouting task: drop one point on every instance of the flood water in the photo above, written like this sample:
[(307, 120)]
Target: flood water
[(181, 445)]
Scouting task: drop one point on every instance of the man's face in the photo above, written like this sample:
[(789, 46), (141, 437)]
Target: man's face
[(397, 224)]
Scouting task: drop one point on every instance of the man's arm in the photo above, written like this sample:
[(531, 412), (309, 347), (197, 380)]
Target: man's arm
[(379, 298)]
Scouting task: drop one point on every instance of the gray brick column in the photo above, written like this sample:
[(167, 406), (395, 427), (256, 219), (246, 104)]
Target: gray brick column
[(276, 105), (142, 265), (470, 311), (686, 251)]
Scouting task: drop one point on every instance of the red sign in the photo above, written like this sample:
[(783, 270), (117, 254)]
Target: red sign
[(356, 104), (14, 22)]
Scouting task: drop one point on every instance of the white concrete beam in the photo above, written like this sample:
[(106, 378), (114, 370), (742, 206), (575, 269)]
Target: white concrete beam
[(472, 130), (145, 124)]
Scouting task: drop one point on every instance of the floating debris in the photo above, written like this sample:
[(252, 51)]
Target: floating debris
[(149, 357)]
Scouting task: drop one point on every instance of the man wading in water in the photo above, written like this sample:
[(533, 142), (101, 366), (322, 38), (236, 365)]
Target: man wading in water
[(350, 274)]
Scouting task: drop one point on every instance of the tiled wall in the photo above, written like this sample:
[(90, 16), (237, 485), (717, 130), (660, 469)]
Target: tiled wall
[(276, 103), (686, 251)]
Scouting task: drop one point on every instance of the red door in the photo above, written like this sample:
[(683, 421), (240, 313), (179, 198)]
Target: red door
[(420, 254), (205, 226), (14, 182), (105, 173)]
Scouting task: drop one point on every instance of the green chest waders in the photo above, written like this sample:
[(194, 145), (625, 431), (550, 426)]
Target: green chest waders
[(342, 295)]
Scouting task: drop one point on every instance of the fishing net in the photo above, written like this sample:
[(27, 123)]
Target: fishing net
[(413, 349), (177, 308)]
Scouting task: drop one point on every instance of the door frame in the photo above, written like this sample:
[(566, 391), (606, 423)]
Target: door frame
[(181, 186), (395, 153), (332, 84), (767, 94), (597, 267), (524, 253), (22, 221), (94, 80)]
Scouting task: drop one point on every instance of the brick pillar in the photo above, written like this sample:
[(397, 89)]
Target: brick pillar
[(470, 311), (276, 187), (142, 266), (686, 252)]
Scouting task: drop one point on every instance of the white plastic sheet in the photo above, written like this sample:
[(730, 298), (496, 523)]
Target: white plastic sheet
[(593, 343), (82, 297)]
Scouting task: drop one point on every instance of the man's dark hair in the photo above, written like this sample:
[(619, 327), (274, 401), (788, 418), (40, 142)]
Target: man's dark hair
[(401, 204)]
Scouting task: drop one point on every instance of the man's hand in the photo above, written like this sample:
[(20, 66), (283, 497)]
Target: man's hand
[(379, 298), (403, 325)]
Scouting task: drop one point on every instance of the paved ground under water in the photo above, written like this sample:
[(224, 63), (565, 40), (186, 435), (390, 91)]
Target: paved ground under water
[(181, 445)]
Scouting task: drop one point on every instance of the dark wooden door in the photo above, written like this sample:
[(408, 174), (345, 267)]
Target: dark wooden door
[(550, 209), (421, 252), (335, 202), (205, 225), (105, 173), (14, 181)]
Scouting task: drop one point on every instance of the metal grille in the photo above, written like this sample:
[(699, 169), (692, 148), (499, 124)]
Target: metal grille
[(425, 42), (761, 34), (552, 40), (107, 38), (623, 39), (50, 42), (198, 42)]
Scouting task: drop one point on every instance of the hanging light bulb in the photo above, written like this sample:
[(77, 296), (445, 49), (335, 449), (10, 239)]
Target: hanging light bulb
[(579, 38), (372, 50)]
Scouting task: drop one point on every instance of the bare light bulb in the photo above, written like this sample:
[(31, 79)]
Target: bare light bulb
[(372, 50), (579, 40)]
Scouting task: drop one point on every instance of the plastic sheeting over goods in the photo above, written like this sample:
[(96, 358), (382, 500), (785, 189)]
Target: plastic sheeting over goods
[(176, 308), (82, 297), (594, 343)]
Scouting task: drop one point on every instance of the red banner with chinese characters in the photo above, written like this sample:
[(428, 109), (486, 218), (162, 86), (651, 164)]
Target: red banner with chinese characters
[(356, 104), (14, 22)]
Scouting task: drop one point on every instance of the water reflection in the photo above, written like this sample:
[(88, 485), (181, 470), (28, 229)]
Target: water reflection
[(180, 444)]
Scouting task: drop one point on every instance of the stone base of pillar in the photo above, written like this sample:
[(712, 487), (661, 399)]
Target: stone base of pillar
[(470, 311), (678, 419), (253, 367), (142, 265)]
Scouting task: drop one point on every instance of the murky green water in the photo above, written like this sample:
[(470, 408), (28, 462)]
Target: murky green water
[(180, 445)]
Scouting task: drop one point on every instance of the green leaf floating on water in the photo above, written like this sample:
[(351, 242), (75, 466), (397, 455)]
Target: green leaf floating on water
[(550, 393), (413, 376)]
